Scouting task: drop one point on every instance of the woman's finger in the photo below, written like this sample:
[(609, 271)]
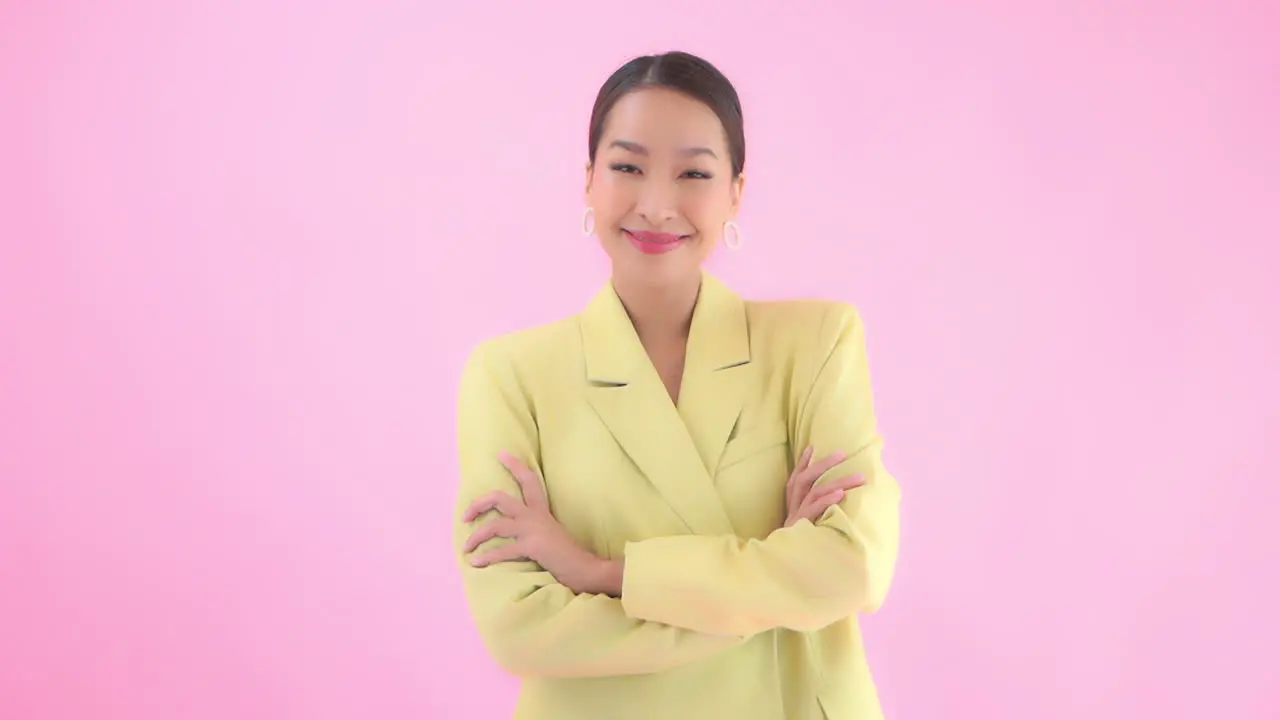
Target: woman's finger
[(815, 506), (500, 528), (507, 553), (816, 470), (793, 495), (530, 483), (805, 457), (845, 483), (824, 496), (496, 500)]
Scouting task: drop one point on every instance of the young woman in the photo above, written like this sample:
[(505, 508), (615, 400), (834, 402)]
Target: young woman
[(673, 504)]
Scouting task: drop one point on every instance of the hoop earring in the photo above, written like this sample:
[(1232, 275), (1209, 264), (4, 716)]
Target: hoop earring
[(736, 243), (589, 221)]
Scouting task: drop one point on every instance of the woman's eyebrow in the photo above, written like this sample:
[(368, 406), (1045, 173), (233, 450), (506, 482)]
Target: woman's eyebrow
[(639, 149)]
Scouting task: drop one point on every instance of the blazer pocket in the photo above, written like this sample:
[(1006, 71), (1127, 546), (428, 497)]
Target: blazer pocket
[(755, 440)]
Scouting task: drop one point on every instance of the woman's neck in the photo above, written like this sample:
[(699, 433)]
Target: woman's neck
[(661, 313)]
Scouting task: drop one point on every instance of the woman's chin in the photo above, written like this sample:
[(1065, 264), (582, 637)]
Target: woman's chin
[(657, 274)]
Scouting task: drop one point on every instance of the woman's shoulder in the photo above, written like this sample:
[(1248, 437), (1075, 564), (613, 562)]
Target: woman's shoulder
[(798, 336), (541, 344), (802, 321)]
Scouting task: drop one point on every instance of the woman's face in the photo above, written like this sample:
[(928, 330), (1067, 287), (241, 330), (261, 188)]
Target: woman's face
[(662, 186)]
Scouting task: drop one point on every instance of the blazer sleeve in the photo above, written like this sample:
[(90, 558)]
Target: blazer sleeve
[(532, 625), (806, 576)]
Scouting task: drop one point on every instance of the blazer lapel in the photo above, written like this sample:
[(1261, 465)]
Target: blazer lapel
[(717, 371), (675, 449)]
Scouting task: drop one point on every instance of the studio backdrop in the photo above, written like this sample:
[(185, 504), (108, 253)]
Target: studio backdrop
[(245, 248)]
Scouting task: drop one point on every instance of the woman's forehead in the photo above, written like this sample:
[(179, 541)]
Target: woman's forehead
[(660, 119)]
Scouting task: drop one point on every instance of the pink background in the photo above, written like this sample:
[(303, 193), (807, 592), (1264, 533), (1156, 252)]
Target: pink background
[(246, 246)]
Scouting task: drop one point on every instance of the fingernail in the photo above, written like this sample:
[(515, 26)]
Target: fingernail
[(477, 562)]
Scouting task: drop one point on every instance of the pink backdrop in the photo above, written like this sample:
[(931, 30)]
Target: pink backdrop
[(246, 246)]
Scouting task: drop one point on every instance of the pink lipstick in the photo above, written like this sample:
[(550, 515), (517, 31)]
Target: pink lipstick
[(652, 243)]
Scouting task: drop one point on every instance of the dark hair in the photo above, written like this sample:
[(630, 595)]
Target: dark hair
[(684, 73)]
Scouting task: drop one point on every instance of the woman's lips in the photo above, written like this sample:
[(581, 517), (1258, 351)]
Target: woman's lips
[(652, 243)]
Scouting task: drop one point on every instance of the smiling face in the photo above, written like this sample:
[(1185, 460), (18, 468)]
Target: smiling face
[(662, 186)]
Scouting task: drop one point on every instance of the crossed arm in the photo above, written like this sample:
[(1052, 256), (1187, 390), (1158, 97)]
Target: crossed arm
[(806, 576), (687, 597), (533, 624)]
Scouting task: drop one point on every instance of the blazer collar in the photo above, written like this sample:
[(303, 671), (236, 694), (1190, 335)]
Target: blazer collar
[(718, 336), (677, 448)]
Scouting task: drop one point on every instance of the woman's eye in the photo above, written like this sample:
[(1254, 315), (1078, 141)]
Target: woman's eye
[(633, 170)]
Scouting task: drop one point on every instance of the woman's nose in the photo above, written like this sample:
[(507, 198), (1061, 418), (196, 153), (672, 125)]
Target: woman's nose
[(658, 203)]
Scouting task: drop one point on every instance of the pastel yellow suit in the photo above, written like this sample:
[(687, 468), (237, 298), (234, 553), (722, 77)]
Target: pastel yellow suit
[(723, 614)]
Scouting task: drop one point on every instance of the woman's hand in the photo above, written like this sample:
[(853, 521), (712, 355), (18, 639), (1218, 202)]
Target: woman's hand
[(537, 535), (806, 501)]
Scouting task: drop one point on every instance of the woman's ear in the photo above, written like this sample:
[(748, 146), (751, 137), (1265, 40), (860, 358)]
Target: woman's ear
[(735, 190), (589, 175)]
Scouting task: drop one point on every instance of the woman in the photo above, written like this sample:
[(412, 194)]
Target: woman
[(673, 505)]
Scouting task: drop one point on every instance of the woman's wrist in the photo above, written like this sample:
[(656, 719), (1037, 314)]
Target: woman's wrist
[(608, 578)]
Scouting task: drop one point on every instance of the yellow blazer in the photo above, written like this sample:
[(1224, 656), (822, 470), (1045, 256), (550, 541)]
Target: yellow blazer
[(723, 614)]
